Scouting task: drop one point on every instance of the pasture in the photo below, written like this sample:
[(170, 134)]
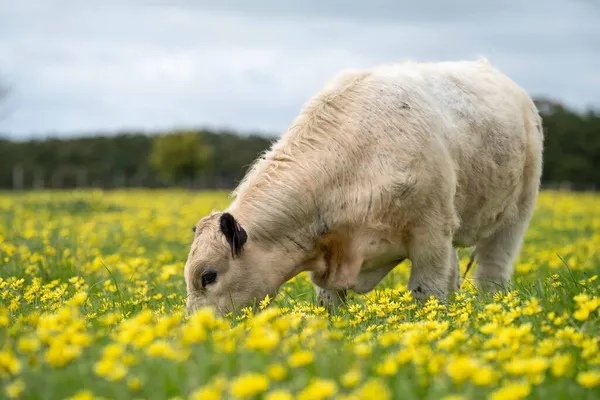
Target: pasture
[(92, 306)]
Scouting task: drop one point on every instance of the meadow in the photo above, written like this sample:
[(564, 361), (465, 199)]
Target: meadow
[(92, 302)]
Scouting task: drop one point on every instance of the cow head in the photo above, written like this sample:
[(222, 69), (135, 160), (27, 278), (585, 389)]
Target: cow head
[(226, 268)]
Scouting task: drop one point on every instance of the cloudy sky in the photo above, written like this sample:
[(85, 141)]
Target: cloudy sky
[(83, 66)]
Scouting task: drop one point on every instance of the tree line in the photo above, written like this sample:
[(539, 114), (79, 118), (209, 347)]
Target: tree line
[(206, 159)]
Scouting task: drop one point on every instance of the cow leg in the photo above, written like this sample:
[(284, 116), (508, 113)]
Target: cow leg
[(495, 256), (454, 283), (330, 299), (432, 267), (367, 280)]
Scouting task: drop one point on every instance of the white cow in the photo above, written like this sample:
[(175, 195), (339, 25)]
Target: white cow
[(406, 160)]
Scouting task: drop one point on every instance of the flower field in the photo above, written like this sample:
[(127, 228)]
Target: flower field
[(92, 302)]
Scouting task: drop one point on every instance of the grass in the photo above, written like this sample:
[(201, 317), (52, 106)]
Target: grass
[(92, 298)]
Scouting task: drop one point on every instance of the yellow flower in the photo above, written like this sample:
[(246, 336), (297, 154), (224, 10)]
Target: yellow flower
[(15, 389), (3, 316), (134, 383), (560, 364), (110, 369), (585, 306), (276, 372), (461, 368), (483, 376), (318, 389), (511, 391), (60, 354), (351, 378), (527, 366), (300, 358), (28, 344), (387, 367), (194, 333), (161, 348), (265, 302), (9, 364), (374, 389), (82, 395), (249, 384), (279, 394), (362, 350), (262, 338), (205, 393), (589, 379)]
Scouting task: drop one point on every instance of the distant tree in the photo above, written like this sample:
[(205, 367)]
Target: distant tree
[(210, 159), (180, 156)]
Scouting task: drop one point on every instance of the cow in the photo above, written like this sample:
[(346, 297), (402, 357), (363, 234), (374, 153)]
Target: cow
[(405, 160)]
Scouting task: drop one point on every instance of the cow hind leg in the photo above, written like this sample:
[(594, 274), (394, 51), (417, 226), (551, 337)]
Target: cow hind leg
[(496, 255)]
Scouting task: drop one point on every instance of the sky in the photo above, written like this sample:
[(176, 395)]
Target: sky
[(86, 67)]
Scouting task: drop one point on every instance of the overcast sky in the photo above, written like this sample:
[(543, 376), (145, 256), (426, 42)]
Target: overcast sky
[(75, 67)]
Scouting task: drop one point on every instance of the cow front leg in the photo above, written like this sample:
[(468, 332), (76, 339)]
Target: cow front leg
[(432, 267), (330, 299)]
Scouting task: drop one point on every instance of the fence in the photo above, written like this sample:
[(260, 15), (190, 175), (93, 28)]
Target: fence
[(80, 177)]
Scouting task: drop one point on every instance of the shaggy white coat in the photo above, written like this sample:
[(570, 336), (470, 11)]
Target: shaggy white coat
[(400, 161)]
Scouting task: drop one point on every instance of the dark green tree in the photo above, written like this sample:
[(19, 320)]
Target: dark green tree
[(219, 159), (180, 156)]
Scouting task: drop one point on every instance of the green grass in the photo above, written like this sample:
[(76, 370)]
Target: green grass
[(86, 274)]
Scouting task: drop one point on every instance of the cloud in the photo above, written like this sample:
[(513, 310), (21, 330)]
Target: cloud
[(78, 67)]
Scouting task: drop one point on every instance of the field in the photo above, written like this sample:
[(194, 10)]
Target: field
[(92, 300)]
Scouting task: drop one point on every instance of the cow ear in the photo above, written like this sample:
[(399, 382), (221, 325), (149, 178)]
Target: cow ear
[(234, 233)]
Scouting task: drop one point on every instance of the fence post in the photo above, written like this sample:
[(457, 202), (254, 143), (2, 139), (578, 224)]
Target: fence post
[(18, 177), (38, 178), (81, 177)]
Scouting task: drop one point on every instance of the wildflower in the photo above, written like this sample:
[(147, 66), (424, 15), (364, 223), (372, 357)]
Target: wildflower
[(511, 391), (589, 379), (82, 395), (387, 367), (532, 367), (374, 389), (162, 348), (362, 350), (300, 358), (279, 394), (60, 353), (560, 363), (15, 389), (585, 306), (461, 368), (9, 364), (28, 344), (134, 383), (318, 389), (265, 302), (262, 338), (3, 316), (110, 369), (205, 393), (276, 372), (351, 378), (248, 385), (484, 376)]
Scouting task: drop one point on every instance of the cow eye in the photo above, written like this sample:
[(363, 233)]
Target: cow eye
[(208, 278)]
